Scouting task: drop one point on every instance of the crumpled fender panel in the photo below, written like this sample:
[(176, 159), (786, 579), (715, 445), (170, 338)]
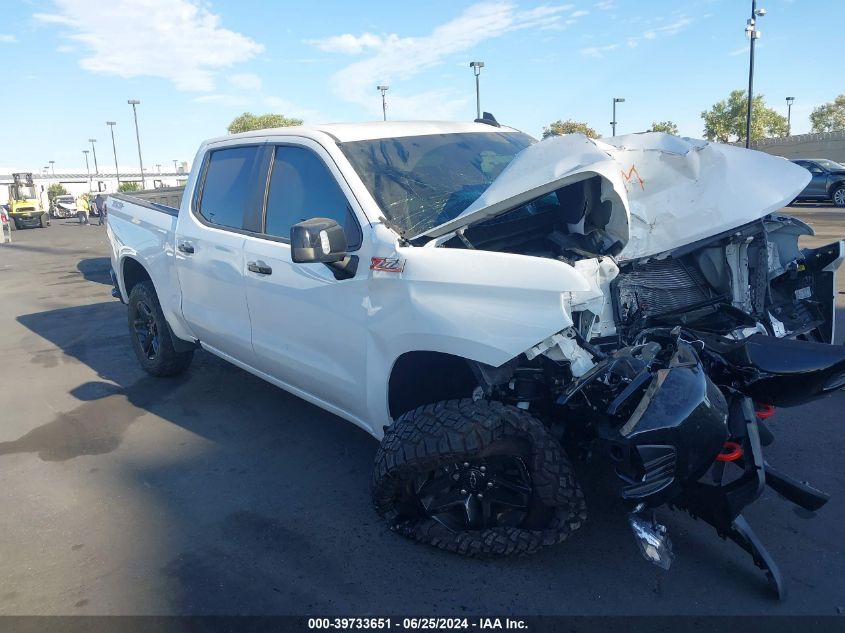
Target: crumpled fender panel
[(480, 305)]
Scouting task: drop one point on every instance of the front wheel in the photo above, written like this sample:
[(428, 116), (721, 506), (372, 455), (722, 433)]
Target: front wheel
[(150, 334), (838, 196), (478, 478)]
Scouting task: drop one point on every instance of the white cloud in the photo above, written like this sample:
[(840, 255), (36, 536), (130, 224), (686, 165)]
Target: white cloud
[(393, 59), (280, 105), (7, 39), (605, 5), (245, 81), (579, 14), (349, 44), (223, 99), (676, 26), (599, 51), (652, 34), (178, 40)]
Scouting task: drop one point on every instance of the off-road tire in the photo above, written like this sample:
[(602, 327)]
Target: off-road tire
[(452, 431), (837, 196), (167, 361)]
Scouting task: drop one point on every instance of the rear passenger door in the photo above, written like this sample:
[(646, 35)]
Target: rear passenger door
[(209, 249), (307, 326)]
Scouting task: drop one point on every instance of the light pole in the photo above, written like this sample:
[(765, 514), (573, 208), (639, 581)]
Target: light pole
[(383, 90), (94, 150), (789, 102), (87, 169), (476, 69), (111, 125), (753, 34), (133, 103), (158, 167), (175, 168), (615, 101), (52, 166)]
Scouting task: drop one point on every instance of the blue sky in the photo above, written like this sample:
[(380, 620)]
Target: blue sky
[(197, 64)]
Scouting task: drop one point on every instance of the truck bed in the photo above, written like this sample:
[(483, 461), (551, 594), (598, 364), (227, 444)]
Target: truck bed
[(146, 231)]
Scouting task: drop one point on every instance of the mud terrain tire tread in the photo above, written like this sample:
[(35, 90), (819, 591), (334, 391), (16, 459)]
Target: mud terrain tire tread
[(168, 362), (454, 430)]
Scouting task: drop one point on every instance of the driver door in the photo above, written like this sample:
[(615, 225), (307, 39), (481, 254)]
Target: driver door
[(308, 328)]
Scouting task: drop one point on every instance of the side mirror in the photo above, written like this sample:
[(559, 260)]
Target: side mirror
[(317, 241)]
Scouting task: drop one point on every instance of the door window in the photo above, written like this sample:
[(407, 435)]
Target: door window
[(226, 188), (301, 188)]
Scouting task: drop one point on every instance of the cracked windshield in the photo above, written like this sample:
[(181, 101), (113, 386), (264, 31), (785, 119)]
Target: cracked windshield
[(423, 181)]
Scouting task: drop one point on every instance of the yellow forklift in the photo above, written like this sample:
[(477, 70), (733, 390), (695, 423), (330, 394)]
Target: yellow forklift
[(25, 208)]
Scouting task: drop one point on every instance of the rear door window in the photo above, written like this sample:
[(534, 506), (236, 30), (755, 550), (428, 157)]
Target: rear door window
[(226, 187), (301, 188)]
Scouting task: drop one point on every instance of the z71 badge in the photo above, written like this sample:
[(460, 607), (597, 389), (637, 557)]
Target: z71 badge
[(387, 264)]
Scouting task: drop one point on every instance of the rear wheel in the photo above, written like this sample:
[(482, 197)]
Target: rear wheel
[(477, 478), (838, 196), (152, 340)]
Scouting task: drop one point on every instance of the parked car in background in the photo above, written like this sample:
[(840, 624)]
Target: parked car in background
[(827, 183), (64, 207)]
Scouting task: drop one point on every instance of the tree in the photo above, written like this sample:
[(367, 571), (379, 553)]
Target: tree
[(664, 126), (129, 186), (56, 189), (249, 121), (568, 127), (829, 117), (725, 120)]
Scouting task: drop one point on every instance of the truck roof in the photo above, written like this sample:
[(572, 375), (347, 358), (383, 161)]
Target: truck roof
[(345, 132)]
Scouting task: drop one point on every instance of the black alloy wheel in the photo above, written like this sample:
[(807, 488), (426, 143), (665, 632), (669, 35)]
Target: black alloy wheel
[(146, 330)]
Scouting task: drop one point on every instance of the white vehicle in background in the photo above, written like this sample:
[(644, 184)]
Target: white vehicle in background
[(64, 206), (490, 308)]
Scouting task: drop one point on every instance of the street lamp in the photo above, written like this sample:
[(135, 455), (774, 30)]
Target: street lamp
[(615, 101), (94, 150), (753, 34), (383, 90), (52, 166), (175, 168), (789, 102), (111, 125), (133, 103), (158, 167), (87, 169), (476, 68)]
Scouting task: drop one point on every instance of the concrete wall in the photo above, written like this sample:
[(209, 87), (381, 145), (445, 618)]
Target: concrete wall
[(825, 145)]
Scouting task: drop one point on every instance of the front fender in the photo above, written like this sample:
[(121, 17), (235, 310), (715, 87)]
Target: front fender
[(483, 306)]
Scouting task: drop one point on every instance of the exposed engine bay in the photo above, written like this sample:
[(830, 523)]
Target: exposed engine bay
[(668, 373)]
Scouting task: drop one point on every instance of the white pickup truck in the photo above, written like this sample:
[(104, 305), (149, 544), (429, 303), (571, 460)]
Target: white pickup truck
[(491, 307)]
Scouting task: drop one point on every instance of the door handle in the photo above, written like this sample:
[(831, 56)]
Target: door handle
[(185, 247), (259, 267)]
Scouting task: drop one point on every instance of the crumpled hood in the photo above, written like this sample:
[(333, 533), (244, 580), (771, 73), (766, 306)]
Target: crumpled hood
[(665, 191)]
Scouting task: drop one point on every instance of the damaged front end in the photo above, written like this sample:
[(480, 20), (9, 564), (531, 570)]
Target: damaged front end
[(703, 318), (677, 421)]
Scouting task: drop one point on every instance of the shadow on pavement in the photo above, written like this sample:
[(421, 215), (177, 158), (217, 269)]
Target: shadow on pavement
[(96, 269)]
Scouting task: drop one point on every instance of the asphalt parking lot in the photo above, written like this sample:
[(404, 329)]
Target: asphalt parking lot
[(216, 493)]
